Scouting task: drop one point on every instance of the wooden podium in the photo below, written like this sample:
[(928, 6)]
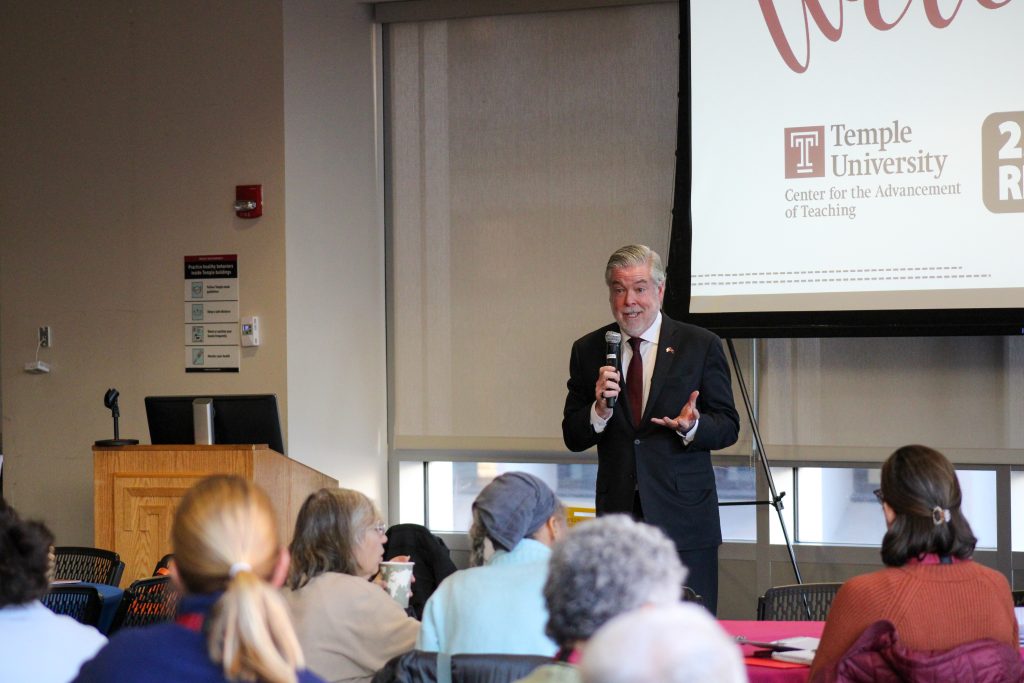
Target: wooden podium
[(138, 488)]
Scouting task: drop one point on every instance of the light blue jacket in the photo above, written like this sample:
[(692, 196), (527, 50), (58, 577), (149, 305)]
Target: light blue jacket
[(497, 608)]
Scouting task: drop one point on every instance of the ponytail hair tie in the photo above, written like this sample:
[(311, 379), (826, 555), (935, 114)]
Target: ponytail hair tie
[(940, 515), (246, 567)]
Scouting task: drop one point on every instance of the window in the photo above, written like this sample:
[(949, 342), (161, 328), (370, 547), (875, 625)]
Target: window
[(979, 504), (836, 505), (452, 487), (737, 484), (1017, 511)]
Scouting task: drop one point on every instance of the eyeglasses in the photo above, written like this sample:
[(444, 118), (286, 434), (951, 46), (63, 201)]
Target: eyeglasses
[(878, 495), (379, 527)]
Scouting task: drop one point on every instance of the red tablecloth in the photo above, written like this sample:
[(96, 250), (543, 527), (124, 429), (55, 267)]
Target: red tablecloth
[(768, 631)]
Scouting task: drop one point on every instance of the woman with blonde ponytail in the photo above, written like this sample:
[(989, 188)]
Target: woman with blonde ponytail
[(232, 624)]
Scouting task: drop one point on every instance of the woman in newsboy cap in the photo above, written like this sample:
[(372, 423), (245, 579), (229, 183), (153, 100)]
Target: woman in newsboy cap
[(497, 606)]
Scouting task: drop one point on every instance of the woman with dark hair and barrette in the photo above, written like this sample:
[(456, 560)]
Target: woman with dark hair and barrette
[(931, 592)]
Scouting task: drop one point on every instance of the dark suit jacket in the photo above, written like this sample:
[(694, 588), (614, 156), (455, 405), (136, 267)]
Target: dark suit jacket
[(676, 482)]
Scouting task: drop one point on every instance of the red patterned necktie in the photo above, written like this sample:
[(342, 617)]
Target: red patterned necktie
[(635, 382)]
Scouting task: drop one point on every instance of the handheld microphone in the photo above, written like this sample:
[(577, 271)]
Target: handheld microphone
[(612, 340)]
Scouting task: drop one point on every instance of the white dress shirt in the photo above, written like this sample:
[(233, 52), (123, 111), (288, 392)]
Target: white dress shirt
[(649, 339)]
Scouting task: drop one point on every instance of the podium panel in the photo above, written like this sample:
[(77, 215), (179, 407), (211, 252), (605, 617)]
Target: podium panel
[(137, 490)]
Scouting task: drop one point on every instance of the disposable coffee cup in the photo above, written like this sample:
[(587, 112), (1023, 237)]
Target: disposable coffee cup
[(398, 581)]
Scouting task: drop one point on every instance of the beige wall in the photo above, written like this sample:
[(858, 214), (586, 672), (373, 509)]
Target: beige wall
[(337, 365), (125, 127)]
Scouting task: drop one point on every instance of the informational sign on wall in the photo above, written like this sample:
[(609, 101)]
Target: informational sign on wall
[(211, 313)]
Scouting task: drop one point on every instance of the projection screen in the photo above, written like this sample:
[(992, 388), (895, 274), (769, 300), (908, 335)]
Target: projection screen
[(857, 158)]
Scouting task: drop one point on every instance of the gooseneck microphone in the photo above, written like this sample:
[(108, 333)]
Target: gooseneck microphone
[(612, 340)]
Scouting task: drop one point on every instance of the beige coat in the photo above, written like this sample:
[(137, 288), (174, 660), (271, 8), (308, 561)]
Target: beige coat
[(348, 627)]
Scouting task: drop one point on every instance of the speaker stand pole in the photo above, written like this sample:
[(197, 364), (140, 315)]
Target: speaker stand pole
[(776, 497)]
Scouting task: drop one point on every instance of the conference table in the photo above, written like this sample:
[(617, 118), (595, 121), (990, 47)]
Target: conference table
[(770, 670)]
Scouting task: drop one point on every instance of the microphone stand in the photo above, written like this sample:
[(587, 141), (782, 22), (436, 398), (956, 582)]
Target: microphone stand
[(117, 440), (775, 497)]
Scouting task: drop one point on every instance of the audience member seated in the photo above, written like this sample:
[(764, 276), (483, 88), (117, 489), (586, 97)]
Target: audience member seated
[(348, 626), (603, 568), (28, 630), (878, 656), (431, 557), (679, 643), (232, 622), (934, 595), (497, 606)]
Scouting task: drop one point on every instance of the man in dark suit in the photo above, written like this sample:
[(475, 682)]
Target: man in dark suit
[(673, 405)]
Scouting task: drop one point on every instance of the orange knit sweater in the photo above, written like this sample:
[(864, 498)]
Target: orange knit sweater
[(932, 606)]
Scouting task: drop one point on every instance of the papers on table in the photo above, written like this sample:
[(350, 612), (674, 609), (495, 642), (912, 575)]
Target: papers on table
[(803, 652)]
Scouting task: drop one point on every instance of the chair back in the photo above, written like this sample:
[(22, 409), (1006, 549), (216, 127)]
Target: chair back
[(799, 602), (81, 603), (494, 668), (147, 601), (94, 565), (690, 595), (162, 567), (415, 666)]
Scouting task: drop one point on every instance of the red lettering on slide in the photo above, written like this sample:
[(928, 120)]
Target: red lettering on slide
[(872, 12)]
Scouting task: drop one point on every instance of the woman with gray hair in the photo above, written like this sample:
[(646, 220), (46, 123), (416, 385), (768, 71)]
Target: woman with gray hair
[(498, 607), (349, 628), (603, 568), (679, 643)]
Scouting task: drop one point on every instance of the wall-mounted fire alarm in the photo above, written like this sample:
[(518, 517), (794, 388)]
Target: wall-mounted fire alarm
[(248, 201)]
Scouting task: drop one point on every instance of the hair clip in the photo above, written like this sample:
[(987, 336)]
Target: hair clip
[(940, 515), (239, 567)]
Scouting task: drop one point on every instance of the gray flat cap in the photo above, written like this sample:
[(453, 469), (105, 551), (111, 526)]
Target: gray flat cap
[(513, 506)]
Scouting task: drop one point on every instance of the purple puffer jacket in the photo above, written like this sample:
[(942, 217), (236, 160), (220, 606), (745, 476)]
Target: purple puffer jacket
[(879, 657)]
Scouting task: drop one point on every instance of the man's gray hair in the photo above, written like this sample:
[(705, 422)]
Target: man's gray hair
[(606, 567), (679, 643), (635, 255)]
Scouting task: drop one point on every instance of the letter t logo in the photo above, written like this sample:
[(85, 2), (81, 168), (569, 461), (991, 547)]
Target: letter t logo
[(805, 152)]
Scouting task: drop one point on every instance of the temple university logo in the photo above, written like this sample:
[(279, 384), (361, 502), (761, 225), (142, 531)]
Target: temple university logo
[(805, 152)]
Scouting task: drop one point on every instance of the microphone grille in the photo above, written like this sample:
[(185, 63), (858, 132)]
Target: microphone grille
[(612, 337)]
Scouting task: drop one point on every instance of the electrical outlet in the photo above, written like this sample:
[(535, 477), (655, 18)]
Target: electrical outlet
[(45, 337)]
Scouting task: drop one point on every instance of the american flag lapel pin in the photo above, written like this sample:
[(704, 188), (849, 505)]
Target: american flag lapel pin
[(669, 349)]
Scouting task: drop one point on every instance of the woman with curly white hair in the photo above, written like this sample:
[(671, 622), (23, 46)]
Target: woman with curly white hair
[(679, 643), (603, 568)]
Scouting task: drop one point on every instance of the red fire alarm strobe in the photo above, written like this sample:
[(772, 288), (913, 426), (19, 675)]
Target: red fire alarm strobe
[(248, 201)]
